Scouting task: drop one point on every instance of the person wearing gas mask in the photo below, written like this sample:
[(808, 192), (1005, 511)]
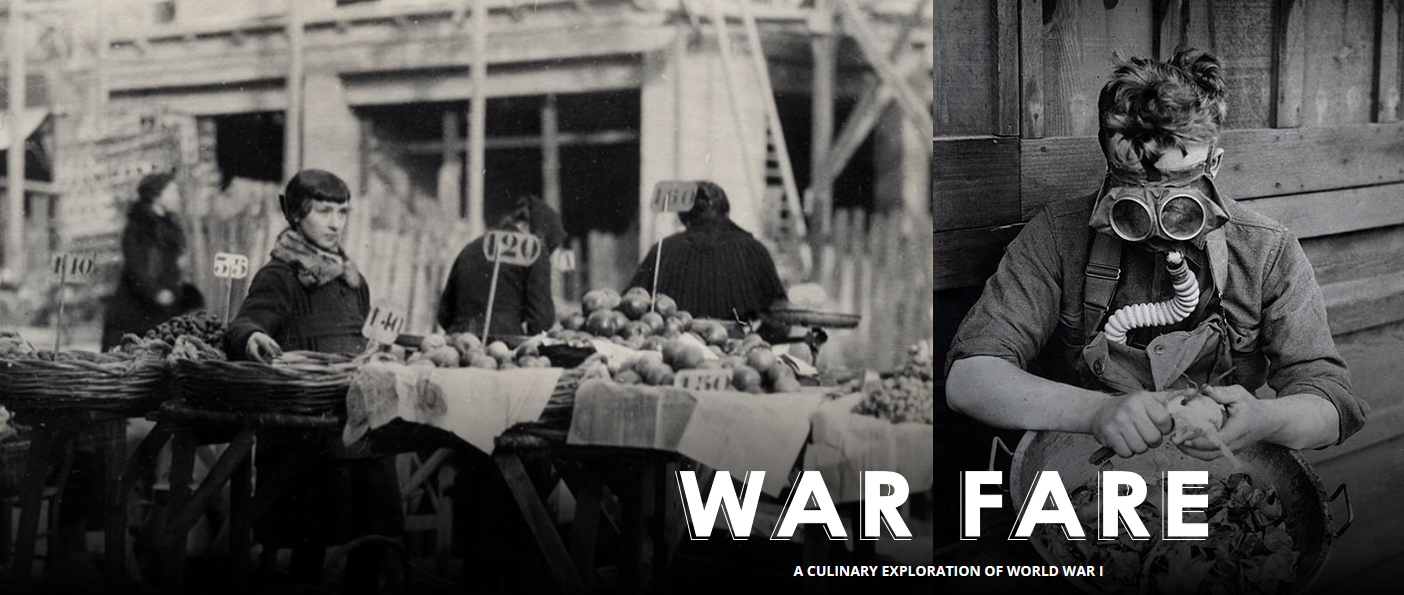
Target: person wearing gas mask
[(1102, 306)]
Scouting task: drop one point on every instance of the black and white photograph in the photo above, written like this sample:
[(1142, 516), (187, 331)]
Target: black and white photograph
[(467, 296), (1169, 277)]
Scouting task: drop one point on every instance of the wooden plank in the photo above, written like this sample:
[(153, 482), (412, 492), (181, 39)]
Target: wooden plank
[(1354, 255), (966, 61), (1352, 209), (1340, 56), (1387, 62), (1291, 63), (1262, 162), (967, 257), (1237, 33), (1031, 67), (1364, 303), (1078, 57), (1006, 39), (975, 182), (1169, 26)]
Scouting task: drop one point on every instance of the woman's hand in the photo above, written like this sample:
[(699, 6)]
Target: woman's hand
[(262, 348), (165, 297)]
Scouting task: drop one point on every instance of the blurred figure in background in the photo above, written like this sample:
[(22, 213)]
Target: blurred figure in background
[(523, 303), (151, 289), (713, 268)]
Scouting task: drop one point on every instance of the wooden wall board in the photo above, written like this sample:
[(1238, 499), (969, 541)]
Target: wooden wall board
[(1257, 163), (1355, 255), (1006, 47), (965, 81), (969, 256), (975, 182), (1340, 62), (1238, 36), (1387, 61), (1316, 214), (1290, 55), (1364, 303), (1078, 53), (1031, 36)]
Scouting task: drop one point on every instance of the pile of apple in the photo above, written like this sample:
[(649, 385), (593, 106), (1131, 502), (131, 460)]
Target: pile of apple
[(634, 321), (466, 350), (658, 332)]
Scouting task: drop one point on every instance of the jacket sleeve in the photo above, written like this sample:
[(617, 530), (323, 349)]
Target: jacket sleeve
[(267, 305), (539, 311), (1302, 355)]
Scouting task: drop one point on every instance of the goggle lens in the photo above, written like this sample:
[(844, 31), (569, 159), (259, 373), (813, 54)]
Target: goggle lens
[(1182, 217), (1132, 220)]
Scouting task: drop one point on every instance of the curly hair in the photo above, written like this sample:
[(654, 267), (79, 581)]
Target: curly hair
[(1155, 106)]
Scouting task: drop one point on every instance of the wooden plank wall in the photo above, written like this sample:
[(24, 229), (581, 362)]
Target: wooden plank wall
[(1314, 141)]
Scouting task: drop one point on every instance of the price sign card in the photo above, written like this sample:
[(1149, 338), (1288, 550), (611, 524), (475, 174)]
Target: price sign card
[(72, 268), (674, 197), (231, 266), (563, 260), (511, 247), (383, 325), (703, 380)]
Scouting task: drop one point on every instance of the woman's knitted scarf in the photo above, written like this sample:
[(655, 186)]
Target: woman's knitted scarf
[(315, 267)]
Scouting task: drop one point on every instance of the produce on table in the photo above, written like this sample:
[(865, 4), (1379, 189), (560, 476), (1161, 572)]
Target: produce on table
[(466, 350), (905, 394), (201, 325), (1249, 549)]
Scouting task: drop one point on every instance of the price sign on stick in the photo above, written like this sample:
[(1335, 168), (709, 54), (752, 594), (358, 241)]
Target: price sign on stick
[(383, 325), (669, 197), (511, 247), (703, 380), (69, 268), (506, 247), (229, 267), (674, 197), (72, 268), (563, 260)]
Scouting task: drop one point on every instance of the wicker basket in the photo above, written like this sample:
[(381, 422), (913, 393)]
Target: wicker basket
[(307, 388), (115, 384)]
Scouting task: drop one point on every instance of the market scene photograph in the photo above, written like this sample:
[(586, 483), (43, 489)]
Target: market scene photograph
[(1169, 277), (467, 296)]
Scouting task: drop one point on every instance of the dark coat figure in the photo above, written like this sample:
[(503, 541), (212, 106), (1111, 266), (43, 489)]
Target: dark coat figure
[(523, 303), (308, 298), (713, 269), (151, 247)]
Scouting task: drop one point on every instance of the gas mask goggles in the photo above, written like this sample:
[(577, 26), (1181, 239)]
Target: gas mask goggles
[(1173, 207)]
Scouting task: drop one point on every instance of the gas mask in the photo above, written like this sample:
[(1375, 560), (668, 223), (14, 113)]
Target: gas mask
[(1162, 209)]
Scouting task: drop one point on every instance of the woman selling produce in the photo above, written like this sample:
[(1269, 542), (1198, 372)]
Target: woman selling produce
[(150, 290), (714, 269), (523, 301), (309, 296)]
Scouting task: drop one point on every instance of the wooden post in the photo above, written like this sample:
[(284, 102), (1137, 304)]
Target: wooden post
[(787, 173), (450, 188), (477, 121), (857, 26), (292, 120), (1291, 62), (1031, 68), (824, 47), (14, 157), (1387, 63), (754, 184), (550, 154)]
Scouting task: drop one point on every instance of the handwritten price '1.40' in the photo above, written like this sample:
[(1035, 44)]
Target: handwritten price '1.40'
[(383, 325)]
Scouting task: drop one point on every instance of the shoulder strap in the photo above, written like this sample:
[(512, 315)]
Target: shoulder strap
[(1102, 275)]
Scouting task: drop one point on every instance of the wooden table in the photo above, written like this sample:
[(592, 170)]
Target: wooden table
[(54, 431), (187, 428)]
